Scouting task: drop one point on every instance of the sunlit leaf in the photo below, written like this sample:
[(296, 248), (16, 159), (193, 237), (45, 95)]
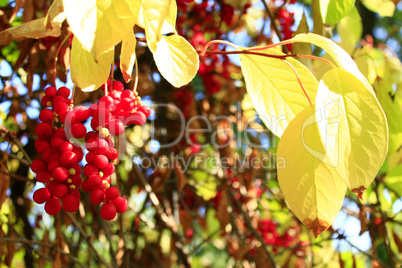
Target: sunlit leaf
[(55, 15), (383, 7), (332, 11), (127, 56), (350, 35), (101, 24), (340, 56), (169, 25), (82, 62), (152, 17), (362, 128), (303, 48), (313, 189), (176, 60), (274, 89)]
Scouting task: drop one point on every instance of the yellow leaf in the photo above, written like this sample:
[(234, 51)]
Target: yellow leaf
[(340, 56), (34, 29), (169, 25), (313, 189), (383, 7), (85, 72), (152, 17), (362, 128), (127, 56), (176, 60), (274, 89), (101, 24), (303, 48), (55, 15)]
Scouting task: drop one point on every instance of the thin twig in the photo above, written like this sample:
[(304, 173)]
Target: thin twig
[(88, 240), (15, 176)]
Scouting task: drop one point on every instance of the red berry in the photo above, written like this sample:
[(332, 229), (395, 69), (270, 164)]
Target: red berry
[(43, 176), (60, 107), (108, 169), (108, 211), (53, 164), (68, 159), (71, 203), (100, 161), (127, 94), (112, 154), (112, 193), (116, 127), (90, 157), (56, 142), (117, 85), (106, 102), (101, 146), (145, 110), (120, 204), (60, 191), (94, 181), (38, 165), (60, 174), (97, 196), (78, 151), (137, 118), (78, 130), (76, 181), (46, 115), (81, 113), (66, 146), (41, 195), (53, 206), (50, 92), (90, 169), (63, 91), (46, 101), (41, 145), (43, 130)]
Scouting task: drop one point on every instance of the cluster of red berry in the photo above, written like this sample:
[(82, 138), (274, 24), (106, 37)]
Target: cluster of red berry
[(59, 169)]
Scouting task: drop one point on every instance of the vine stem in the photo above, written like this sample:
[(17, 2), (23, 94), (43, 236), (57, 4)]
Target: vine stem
[(57, 57), (298, 79)]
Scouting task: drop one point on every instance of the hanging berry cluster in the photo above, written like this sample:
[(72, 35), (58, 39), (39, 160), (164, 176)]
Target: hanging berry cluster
[(59, 167)]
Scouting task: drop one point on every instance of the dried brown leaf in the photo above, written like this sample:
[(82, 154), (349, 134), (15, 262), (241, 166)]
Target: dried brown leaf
[(261, 258), (398, 241), (55, 15), (222, 213), (34, 29)]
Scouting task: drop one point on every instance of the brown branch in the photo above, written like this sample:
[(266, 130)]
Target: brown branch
[(16, 177), (274, 25)]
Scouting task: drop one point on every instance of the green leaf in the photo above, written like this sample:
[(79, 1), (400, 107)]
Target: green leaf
[(313, 189), (362, 129), (127, 56), (350, 35), (332, 11), (318, 25), (204, 184), (101, 24), (274, 89), (176, 60), (339, 55), (83, 63)]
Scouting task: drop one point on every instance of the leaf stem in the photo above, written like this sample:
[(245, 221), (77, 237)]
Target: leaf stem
[(136, 75), (204, 49), (298, 79)]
